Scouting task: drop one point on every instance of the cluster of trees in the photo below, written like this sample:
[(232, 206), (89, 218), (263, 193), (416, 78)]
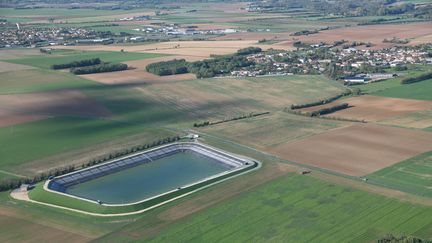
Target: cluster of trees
[(75, 64), (15, 183), (45, 50), (205, 68), (326, 100), (305, 32), (401, 239), (396, 40), (250, 115), (176, 66), (101, 68), (410, 80)]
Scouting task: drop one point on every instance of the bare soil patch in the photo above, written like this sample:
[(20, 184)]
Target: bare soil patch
[(65, 102), (6, 67), (374, 33), (375, 108), (357, 150), (9, 118)]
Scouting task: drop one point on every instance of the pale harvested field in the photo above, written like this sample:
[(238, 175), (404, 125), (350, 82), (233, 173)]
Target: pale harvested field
[(201, 49), (229, 7), (209, 26), (420, 32), (375, 108), (218, 96), (420, 119), (268, 131), (6, 67), (255, 36), (9, 118), (139, 75), (65, 102), (357, 150)]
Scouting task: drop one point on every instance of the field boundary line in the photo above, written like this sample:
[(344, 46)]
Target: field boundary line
[(12, 174)]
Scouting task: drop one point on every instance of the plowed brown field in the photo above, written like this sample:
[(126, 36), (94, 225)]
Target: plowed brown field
[(357, 150)]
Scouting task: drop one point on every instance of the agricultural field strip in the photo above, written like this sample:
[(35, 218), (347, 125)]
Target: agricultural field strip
[(233, 228)]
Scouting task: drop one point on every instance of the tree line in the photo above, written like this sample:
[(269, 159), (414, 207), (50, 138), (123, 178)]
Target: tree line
[(205, 68), (100, 68), (250, 115), (326, 100), (329, 110), (422, 77), (75, 64), (16, 183)]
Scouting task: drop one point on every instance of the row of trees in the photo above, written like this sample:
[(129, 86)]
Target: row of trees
[(101, 68), (250, 115), (410, 80), (205, 68), (16, 183), (326, 100), (75, 64), (329, 110), (309, 114)]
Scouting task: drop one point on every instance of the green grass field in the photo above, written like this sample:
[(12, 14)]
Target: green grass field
[(295, 207), (394, 83), (56, 135), (418, 91), (45, 61), (412, 175), (38, 80)]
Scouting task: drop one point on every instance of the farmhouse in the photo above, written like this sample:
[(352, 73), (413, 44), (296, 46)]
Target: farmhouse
[(356, 79)]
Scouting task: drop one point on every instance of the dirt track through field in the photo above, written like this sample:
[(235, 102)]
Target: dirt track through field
[(375, 108), (357, 150)]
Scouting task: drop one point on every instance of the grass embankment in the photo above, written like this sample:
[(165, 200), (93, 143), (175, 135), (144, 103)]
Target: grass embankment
[(412, 175), (39, 194), (294, 207)]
